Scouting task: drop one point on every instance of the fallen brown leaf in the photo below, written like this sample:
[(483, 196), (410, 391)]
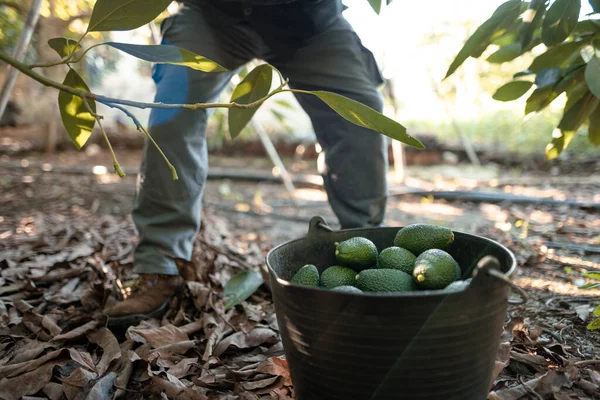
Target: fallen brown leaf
[(192, 327), (110, 347), (83, 358), (276, 366), (54, 391), (158, 337), (515, 393), (281, 394), (534, 361), (29, 350), (11, 370), (175, 348), (200, 293), (588, 387), (594, 376), (549, 383), (502, 360), (182, 368), (243, 340), (125, 369), (102, 388), (175, 389), (49, 324), (213, 330), (28, 383), (79, 331), (259, 384), (79, 378)]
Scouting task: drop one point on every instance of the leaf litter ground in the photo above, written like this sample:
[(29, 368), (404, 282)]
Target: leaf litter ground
[(66, 253)]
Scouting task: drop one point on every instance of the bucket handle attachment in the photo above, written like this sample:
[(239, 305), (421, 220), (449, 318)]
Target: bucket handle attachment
[(491, 266), (318, 223)]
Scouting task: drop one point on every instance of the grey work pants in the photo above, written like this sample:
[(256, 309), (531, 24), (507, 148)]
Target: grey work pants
[(167, 212)]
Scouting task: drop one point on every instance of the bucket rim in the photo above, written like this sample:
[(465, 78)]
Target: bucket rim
[(420, 293)]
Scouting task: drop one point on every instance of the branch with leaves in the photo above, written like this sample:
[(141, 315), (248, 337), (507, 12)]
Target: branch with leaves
[(570, 62), (77, 103)]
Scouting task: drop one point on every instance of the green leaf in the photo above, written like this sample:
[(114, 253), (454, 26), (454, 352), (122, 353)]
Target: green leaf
[(512, 90), (241, 286), (589, 286), (574, 94), (560, 141), (506, 39), (64, 46), (284, 104), (560, 21), (586, 26), (481, 38), (505, 53), (576, 114), (594, 325), (594, 127), (253, 87), (531, 21), (365, 116), (76, 117), (376, 5), (592, 76), (592, 275), (547, 77), (556, 56), (595, 5), (124, 15), (596, 311), (570, 80), (540, 99), (165, 54)]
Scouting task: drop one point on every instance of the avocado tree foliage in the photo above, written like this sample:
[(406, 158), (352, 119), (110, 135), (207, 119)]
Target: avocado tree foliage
[(569, 62), (78, 105)]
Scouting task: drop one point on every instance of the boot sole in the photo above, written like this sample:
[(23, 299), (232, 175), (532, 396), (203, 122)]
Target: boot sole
[(134, 319)]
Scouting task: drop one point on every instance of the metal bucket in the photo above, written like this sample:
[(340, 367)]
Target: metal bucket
[(415, 345)]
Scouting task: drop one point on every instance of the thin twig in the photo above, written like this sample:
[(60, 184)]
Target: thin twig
[(141, 128), (125, 389), (116, 164), (585, 363)]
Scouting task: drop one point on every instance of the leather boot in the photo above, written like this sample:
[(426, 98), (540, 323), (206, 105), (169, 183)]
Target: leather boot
[(149, 298)]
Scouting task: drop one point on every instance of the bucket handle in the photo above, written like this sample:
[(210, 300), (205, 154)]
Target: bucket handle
[(491, 266)]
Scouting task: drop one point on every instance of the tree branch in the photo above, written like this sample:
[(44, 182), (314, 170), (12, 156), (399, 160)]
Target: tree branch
[(103, 99)]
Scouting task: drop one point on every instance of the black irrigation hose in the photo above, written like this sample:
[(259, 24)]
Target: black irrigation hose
[(493, 197), (314, 181)]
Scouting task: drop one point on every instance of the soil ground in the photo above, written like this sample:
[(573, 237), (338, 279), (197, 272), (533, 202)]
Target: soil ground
[(55, 222)]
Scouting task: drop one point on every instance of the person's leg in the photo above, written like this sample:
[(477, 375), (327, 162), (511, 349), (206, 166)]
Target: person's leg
[(166, 212), (355, 157)]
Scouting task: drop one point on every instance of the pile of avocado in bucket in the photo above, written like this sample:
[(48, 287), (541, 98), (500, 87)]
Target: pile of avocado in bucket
[(416, 260)]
